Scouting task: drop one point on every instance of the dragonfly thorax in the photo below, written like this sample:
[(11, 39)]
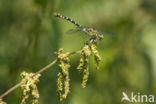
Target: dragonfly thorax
[(92, 33)]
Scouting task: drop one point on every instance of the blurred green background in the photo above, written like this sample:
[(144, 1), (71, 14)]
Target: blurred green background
[(29, 34)]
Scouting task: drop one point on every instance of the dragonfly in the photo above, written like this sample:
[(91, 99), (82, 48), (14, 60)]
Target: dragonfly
[(91, 32)]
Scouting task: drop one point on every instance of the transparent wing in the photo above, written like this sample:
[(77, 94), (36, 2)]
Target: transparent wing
[(107, 33), (72, 31)]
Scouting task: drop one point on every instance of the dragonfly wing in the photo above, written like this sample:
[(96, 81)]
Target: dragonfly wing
[(72, 31), (106, 33)]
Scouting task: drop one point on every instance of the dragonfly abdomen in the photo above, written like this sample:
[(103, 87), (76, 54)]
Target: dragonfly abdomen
[(67, 18)]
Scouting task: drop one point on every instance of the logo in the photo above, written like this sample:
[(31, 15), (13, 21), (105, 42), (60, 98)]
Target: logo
[(137, 98)]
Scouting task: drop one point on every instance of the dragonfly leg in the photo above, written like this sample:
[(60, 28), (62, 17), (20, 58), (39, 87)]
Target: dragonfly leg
[(87, 42), (91, 40)]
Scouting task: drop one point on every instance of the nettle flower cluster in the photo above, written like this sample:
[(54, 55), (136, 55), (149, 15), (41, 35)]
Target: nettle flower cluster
[(28, 84), (29, 80), (83, 67)]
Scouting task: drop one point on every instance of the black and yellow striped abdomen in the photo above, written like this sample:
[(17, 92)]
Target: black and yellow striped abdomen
[(67, 18)]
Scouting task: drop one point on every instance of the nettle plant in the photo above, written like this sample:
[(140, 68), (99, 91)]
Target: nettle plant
[(29, 80)]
